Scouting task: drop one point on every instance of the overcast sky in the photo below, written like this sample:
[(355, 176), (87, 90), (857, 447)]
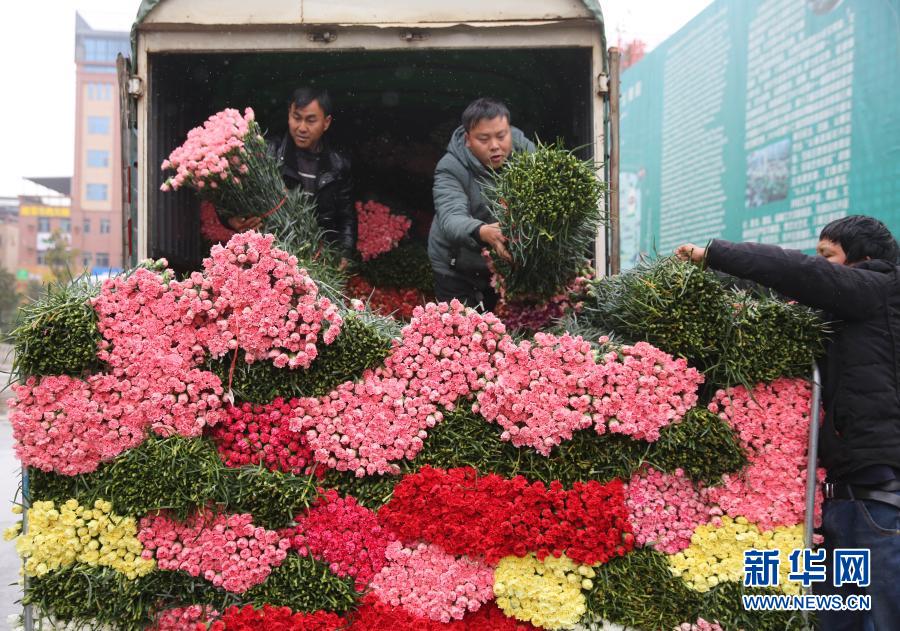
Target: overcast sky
[(37, 68)]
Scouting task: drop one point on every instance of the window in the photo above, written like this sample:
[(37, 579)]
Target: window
[(97, 158), (98, 124), (86, 259), (104, 227), (86, 226), (97, 193), (99, 91), (65, 225), (43, 224), (101, 49), (101, 259), (41, 258)]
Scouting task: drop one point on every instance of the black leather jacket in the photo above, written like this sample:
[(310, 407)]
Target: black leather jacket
[(861, 370), (333, 191)]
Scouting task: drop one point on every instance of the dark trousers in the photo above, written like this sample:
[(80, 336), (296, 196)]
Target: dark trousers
[(864, 524), (471, 293)]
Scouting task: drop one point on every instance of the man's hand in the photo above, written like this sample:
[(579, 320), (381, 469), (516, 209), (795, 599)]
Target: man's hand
[(242, 224), (490, 233), (690, 252)]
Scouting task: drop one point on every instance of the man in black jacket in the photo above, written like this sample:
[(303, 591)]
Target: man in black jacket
[(308, 162), (856, 281)]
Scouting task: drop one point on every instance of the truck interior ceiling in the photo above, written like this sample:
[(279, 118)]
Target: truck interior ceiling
[(394, 112)]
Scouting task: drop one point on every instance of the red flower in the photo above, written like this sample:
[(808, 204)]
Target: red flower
[(261, 434), (496, 517), (271, 618)]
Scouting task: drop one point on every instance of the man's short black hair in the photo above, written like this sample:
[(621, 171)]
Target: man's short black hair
[(862, 237), (306, 95), (483, 109)]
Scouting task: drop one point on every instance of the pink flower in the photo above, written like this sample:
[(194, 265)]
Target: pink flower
[(379, 230), (199, 546), (429, 583), (772, 423)]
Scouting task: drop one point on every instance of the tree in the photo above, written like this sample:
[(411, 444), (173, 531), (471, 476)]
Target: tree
[(9, 297), (60, 256)]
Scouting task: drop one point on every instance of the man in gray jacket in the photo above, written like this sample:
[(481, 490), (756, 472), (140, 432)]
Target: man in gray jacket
[(463, 223)]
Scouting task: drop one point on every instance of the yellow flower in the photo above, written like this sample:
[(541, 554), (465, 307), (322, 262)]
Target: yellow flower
[(58, 538), (12, 532), (546, 593), (716, 553)]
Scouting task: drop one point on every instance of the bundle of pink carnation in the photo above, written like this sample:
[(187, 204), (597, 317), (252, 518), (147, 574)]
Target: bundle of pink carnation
[(665, 509), (212, 154), (227, 163), (379, 230)]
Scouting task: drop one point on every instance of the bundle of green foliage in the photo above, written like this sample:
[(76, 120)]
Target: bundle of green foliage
[(735, 337), (406, 266), (57, 334), (364, 342), (180, 475), (639, 591), (548, 205), (94, 596)]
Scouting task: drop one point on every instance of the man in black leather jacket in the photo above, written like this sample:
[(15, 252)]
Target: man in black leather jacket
[(856, 281), (307, 161)]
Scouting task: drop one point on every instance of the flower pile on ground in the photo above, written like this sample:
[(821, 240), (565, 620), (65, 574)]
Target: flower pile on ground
[(470, 480), (379, 229), (227, 550)]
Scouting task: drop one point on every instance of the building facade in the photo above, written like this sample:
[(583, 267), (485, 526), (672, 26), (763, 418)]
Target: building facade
[(43, 211), (9, 233), (96, 218)]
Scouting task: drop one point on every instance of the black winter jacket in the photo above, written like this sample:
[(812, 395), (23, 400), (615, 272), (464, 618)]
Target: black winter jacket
[(861, 381), (334, 191)]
